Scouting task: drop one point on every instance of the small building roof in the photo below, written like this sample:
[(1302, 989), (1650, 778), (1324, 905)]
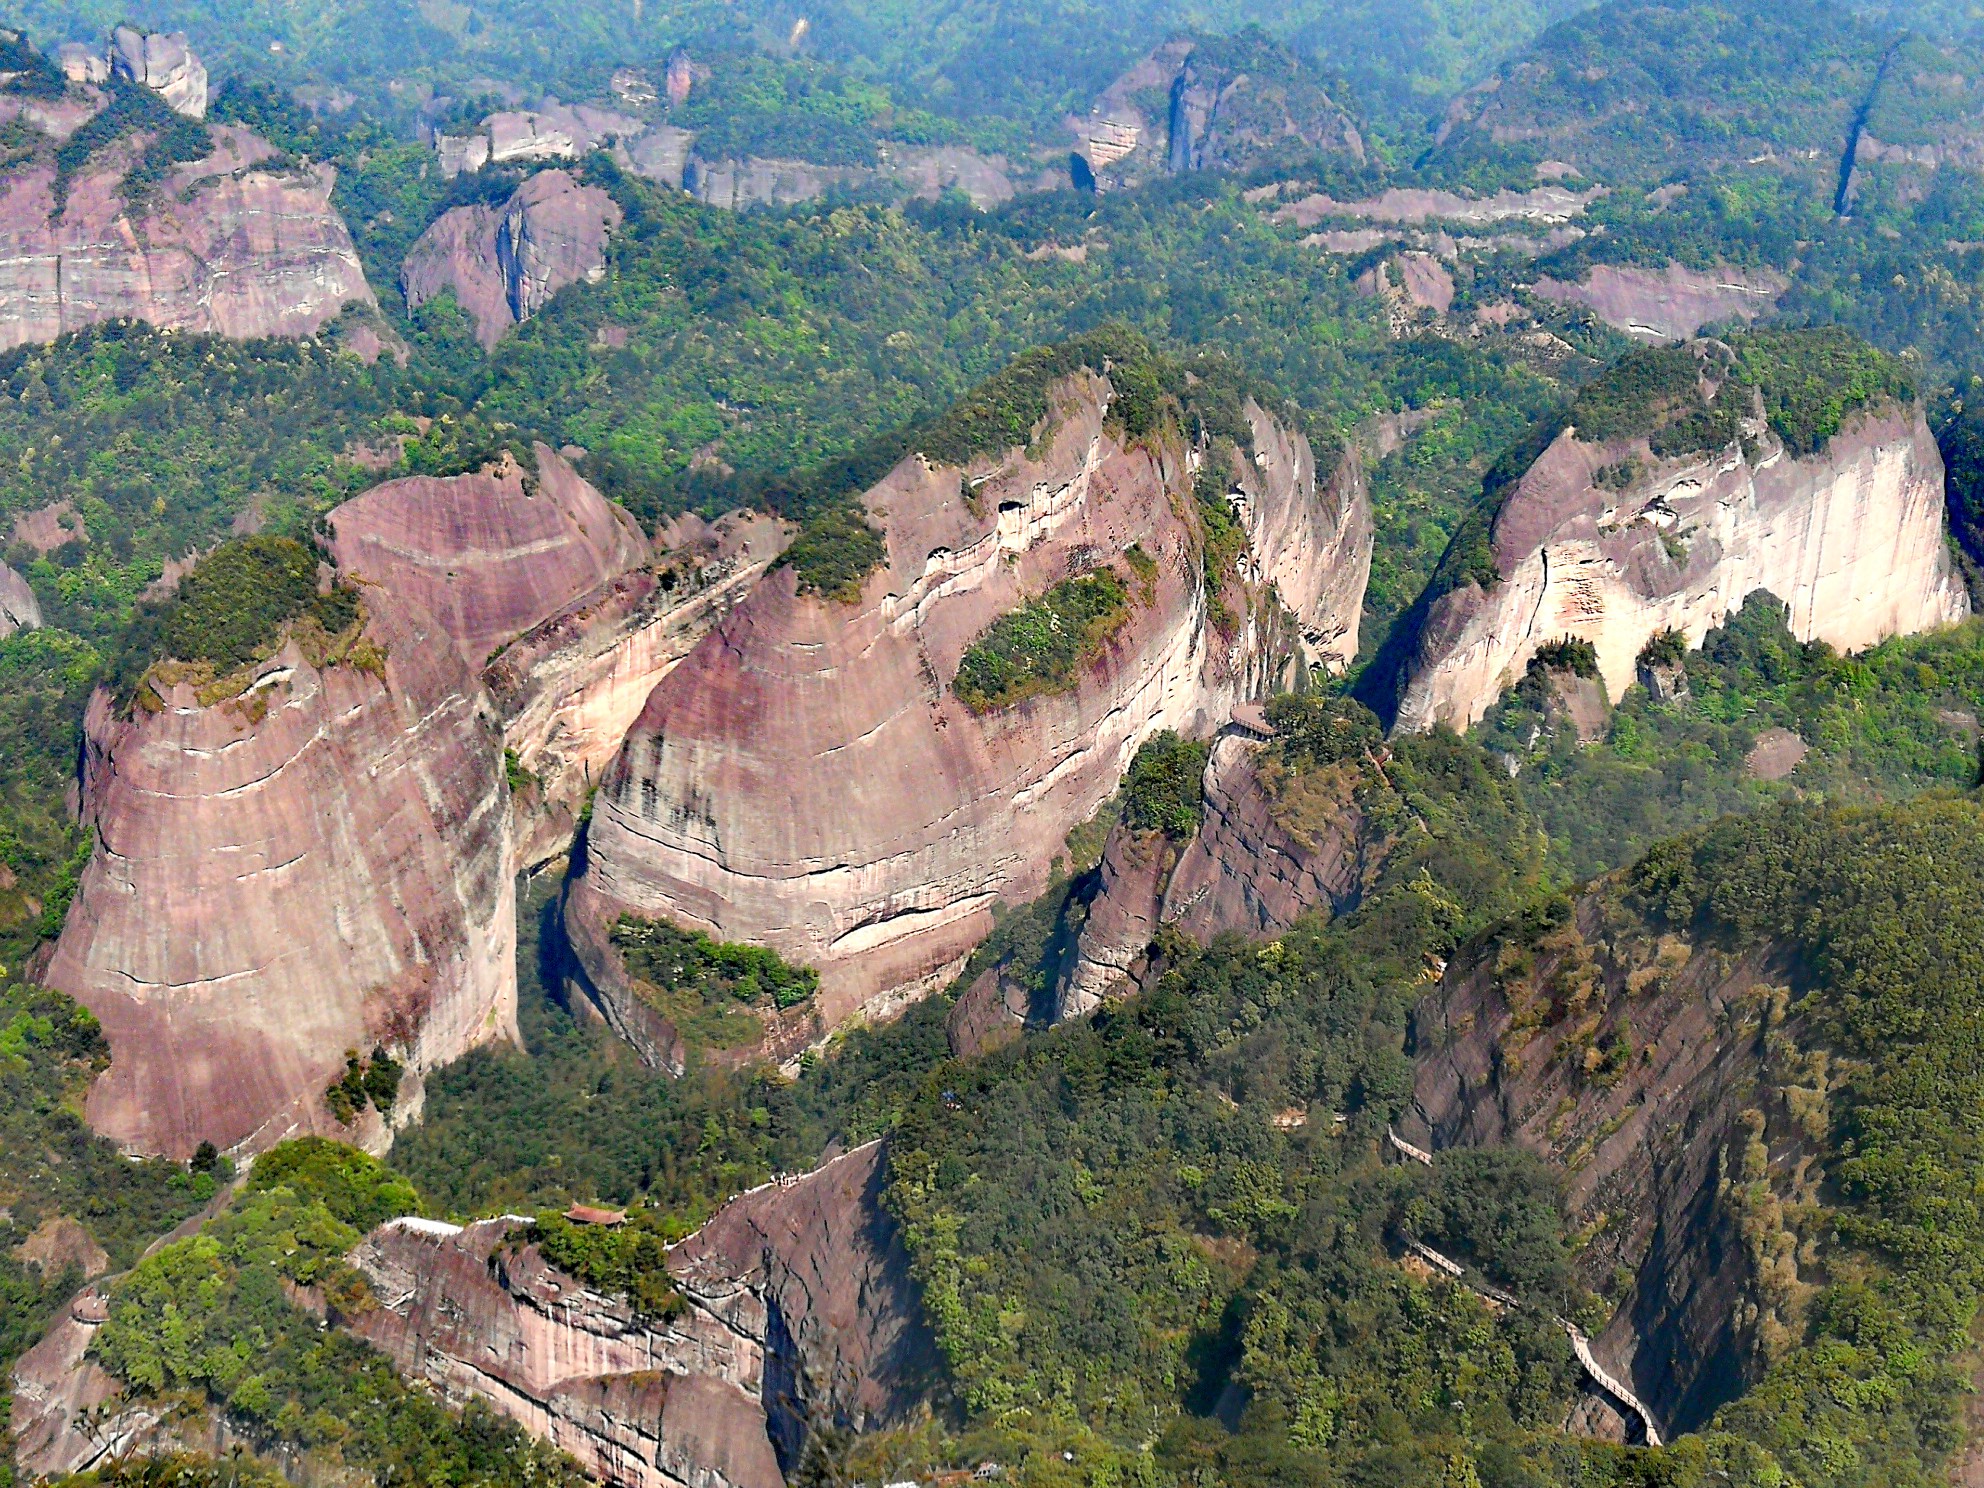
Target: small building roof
[(587, 1214)]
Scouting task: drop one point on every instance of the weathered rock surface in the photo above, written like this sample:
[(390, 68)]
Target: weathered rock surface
[(800, 1312), (1269, 851), (505, 263), (19, 609), (808, 780), (1646, 1141), (1220, 105), (1122, 920), (1666, 304), (225, 246), (489, 555), (318, 864), (163, 63), (569, 689), (903, 173), (1312, 542), (1549, 205), (1850, 538), (479, 1314)]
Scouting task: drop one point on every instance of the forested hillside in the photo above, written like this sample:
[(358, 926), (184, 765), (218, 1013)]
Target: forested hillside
[(807, 577)]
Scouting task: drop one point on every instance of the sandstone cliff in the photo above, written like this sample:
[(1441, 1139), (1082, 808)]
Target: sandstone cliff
[(491, 554), (505, 263), (800, 1313), (1310, 541), (1850, 538), (555, 594), (318, 863), (809, 780), (163, 63), (19, 609), (569, 689), (226, 245), (1669, 303), (1274, 845), (1630, 1060), (1233, 103)]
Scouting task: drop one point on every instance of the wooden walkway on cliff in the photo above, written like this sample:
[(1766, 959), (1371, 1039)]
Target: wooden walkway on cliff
[(1608, 1383)]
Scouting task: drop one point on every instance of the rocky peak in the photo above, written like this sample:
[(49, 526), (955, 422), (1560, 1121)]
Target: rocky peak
[(1614, 536), (505, 263), (163, 63), (18, 607), (799, 835), (489, 554)]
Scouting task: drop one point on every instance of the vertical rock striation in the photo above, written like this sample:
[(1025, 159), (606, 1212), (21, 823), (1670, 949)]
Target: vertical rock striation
[(317, 864), (505, 263), (570, 688), (1850, 538)]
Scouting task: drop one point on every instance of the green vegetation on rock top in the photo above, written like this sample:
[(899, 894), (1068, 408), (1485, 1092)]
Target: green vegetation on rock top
[(1043, 647)]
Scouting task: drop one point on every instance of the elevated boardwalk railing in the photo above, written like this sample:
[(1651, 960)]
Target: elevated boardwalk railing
[(1606, 1381)]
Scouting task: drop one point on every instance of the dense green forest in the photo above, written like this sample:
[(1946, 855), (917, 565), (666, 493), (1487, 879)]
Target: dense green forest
[(1160, 1246)]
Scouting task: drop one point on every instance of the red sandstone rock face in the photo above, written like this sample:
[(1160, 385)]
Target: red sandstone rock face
[(1122, 921), (1259, 864), (505, 263), (1852, 539), (800, 1313), (1668, 304), (569, 689), (641, 1405), (321, 864), (826, 1262), (807, 780), (488, 555), (225, 246), (1265, 855), (1648, 1152)]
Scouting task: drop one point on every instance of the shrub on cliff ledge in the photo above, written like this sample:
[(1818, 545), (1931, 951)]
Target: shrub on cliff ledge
[(1165, 789), (231, 609), (1043, 647), (833, 553), (705, 986)]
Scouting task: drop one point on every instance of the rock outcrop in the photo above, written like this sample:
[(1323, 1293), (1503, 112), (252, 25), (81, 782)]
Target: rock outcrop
[(228, 245), (1310, 540), (1647, 1141), (19, 609), (808, 779), (489, 555), (569, 689), (1666, 304), (505, 263), (1231, 104), (318, 862), (800, 1313), (1851, 539), (1273, 846), (163, 63)]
